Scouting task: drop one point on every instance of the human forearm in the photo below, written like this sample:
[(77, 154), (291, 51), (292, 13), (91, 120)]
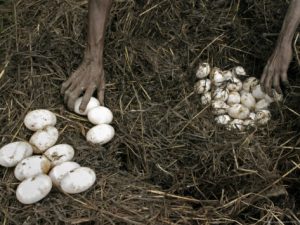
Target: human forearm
[(97, 19), (290, 24)]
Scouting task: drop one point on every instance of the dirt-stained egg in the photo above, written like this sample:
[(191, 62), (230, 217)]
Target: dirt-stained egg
[(92, 104), (59, 171), (100, 115), (58, 154), (203, 70), (78, 180), (238, 111), (12, 153), (32, 166), (41, 140), (206, 98), (100, 134), (39, 119), (34, 189), (202, 86)]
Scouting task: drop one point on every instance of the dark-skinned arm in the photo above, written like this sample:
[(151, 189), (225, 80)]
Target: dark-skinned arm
[(89, 76), (276, 69)]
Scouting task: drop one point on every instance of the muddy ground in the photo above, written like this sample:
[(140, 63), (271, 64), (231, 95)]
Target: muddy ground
[(168, 163)]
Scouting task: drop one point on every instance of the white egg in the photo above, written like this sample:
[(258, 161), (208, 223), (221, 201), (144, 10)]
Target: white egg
[(249, 83), (11, 154), (219, 107), (223, 119), (78, 180), (203, 70), (39, 119), (206, 98), (249, 123), (257, 92), (217, 77), (236, 124), (227, 74), (248, 100), (41, 140), (252, 115), (276, 97), (238, 111), (261, 104), (59, 171), (58, 154), (262, 117), (202, 86), (100, 115), (34, 189), (233, 98), (92, 104), (239, 71), (100, 134), (32, 166), (234, 85), (220, 94)]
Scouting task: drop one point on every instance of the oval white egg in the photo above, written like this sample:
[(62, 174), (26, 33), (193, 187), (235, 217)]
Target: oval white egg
[(59, 171), (11, 154), (39, 119), (32, 166), (203, 70), (202, 86), (219, 107), (248, 100), (257, 92), (262, 117), (92, 104), (234, 85), (236, 124), (217, 77), (233, 98), (34, 189), (100, 134), (206, 98), (78, 180), (223, 119), (220, 94), (100, 115), (227, 74), (249, 83), (58, 154), (239, 71), (238, 111), (261, 104), (44, 139)]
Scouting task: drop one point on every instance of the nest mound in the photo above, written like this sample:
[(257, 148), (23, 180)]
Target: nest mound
[(169, 163)]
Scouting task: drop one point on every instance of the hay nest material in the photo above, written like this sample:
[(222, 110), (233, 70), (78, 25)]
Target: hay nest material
[(169, 163)]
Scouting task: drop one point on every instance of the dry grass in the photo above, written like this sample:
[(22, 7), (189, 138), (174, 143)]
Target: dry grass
[(169, 163)]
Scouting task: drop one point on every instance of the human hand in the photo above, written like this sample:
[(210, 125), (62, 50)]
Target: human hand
[(88, 78), (276, 70)]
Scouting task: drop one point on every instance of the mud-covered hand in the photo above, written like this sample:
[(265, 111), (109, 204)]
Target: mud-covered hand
[(88, 78), (275, 72)]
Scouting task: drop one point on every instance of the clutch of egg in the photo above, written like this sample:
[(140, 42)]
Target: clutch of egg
[(236, 104), (53, 163)]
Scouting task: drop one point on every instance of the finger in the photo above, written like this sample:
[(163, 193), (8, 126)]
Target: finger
[(268, 83), (276, 83), (72, 98), (68, 92), (101, 91), (65, 86), (263, 77), (285, 82), (86, 98)]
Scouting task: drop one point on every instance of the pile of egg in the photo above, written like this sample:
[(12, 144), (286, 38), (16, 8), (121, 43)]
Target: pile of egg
[(40, 164), (236, 104)]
